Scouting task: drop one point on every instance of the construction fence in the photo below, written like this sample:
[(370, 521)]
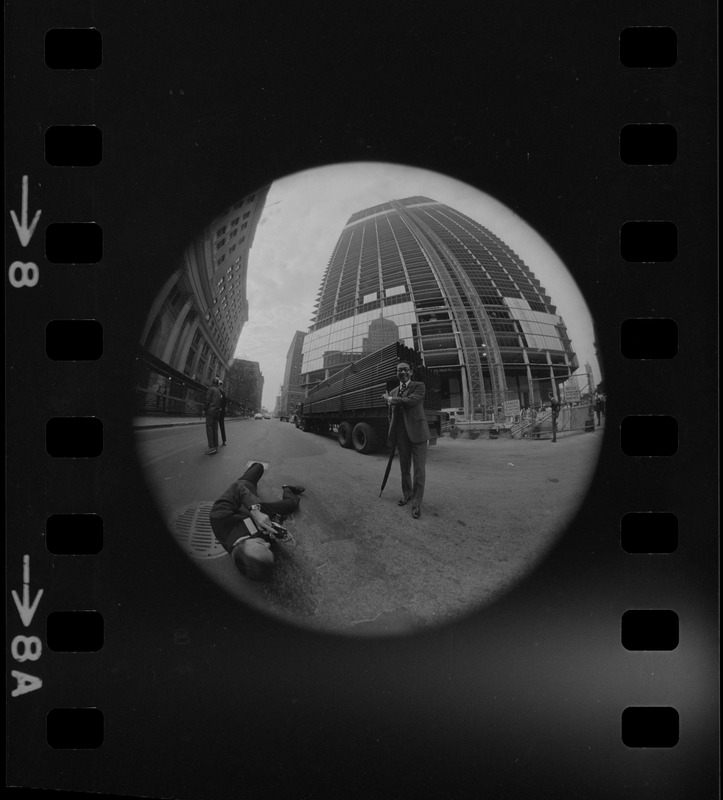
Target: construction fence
[(538, 424)]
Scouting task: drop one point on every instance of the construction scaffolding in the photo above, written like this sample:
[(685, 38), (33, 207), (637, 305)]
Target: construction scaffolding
[(442, 261)]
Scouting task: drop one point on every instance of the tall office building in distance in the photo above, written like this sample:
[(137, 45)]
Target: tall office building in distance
[(430, 276), (245, 383), (291, 390)]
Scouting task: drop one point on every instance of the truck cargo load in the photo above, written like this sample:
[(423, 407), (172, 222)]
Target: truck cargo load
[(350, 403)]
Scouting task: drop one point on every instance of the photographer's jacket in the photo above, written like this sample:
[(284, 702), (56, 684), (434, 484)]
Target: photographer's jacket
[(232, 508)]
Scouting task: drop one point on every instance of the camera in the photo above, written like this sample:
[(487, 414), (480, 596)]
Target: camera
[(279, 530), (280, 533)]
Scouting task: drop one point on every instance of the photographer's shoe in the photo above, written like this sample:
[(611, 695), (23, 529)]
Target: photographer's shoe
[(403, 501), (294, 489), (416, 512)]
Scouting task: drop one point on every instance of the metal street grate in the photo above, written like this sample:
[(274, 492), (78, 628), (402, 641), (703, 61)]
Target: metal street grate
[(191, 528)]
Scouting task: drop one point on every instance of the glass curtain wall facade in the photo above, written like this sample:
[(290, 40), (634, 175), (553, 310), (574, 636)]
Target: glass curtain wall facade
[(455, 291)]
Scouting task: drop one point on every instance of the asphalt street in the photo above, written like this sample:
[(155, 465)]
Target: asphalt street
[(360, 563)]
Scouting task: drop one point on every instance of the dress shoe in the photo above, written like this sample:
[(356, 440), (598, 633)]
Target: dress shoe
[(294, 489), (416, 512), (403, 501), (211, 451)]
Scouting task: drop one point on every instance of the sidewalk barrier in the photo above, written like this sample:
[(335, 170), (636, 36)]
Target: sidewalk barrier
[(572, 419)]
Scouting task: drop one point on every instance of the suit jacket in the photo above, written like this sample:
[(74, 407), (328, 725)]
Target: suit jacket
[(212, 403), (409, 411)]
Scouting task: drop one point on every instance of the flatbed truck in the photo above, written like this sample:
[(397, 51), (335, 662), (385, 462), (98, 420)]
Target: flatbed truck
[(350, 403)]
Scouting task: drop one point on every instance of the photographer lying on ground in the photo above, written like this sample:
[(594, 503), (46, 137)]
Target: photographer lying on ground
[(250, 548)]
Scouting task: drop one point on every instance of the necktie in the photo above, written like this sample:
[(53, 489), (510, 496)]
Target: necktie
[(402, 389)]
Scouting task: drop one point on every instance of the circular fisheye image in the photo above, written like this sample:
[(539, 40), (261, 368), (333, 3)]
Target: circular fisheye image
[(368, 399)]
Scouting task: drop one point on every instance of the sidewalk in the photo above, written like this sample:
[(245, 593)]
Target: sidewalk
[(161, 421)]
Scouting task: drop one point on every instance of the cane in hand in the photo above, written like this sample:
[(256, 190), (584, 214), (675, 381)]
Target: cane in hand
[(387, 396)]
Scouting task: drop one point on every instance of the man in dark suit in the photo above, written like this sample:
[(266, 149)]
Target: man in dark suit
[(408, 429), (222, 414), (554, 413), (211, 407)]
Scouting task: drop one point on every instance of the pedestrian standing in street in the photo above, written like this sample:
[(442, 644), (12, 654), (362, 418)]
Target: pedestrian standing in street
[(598, 407), (222, 414), (250, 549), (408, 430), (554, 413), (211, 408)]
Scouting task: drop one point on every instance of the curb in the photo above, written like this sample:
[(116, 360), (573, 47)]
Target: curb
[(151, 425), (164, 425)]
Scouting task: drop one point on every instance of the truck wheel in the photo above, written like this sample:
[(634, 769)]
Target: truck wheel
[(364, 438), (344, 436)]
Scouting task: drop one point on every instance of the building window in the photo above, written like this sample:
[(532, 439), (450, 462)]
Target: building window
[(189, 363), (221, 231), (174, 296)]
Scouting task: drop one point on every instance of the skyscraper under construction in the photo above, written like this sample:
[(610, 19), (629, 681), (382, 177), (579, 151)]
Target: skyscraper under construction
[(449, 287)]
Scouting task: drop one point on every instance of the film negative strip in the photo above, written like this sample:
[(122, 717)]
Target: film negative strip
[(524, 197)]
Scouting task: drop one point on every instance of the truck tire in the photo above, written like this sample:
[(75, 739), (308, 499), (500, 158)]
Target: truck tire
[(344, 436), (364, 438)]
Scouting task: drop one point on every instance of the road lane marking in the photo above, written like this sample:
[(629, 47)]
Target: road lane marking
[(147, 462)]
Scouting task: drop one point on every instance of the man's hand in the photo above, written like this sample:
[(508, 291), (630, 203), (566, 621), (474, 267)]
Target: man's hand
[(262, 521)]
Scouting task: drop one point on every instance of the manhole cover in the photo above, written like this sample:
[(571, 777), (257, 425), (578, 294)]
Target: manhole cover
[(191, 528)]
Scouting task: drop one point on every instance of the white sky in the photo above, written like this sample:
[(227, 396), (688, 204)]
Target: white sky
[(304, 217)]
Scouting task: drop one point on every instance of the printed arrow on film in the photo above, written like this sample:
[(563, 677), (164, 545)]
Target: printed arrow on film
[(25, 609), (24, 233)]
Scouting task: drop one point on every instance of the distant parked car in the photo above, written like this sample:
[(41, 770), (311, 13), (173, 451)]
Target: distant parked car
[(258, 416), (267, 416)]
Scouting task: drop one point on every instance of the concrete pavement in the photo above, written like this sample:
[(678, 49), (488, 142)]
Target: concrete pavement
[(492, 508)]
